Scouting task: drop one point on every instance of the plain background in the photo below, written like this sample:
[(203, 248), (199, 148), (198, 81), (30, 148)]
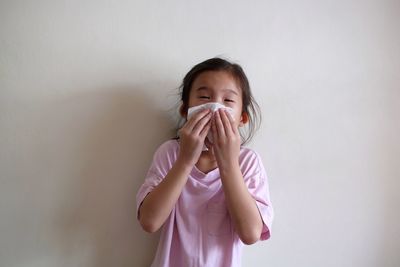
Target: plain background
[(88, 91)]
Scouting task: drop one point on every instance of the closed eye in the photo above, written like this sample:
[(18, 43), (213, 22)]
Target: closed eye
[(204, 97), (229, 100)]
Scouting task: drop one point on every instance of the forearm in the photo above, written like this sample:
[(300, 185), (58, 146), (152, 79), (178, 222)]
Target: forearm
[(241, 205), (158, 204)]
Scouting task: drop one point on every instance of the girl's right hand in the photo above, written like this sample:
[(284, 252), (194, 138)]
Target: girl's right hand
[(192, 136)]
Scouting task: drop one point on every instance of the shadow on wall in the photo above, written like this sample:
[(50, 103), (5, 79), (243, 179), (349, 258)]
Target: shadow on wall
[(119, 132)]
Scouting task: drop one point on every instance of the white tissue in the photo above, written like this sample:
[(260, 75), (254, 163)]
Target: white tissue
[(213, 106)]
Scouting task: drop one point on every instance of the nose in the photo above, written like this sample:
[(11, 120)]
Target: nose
[(216, 105), (217, 100)]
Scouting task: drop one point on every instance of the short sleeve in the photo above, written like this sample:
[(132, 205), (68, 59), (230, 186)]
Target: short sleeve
[(163, 159), (257, 183)]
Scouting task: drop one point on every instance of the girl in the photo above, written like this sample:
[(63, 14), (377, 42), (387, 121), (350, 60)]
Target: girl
[(209, 194)]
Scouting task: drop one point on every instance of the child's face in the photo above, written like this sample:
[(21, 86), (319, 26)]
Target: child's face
[(217, 86)]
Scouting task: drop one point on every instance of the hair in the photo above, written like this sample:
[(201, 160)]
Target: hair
[(249, 105)]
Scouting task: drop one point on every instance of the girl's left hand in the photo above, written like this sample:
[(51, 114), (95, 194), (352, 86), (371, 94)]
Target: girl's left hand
[(226, 140)]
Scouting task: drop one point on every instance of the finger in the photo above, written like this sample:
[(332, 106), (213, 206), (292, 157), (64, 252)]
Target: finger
[(207, 142), (219, 125), (205, 130), (232, 122), (196, 117), (200, 125), (225, 122), (214, 128)]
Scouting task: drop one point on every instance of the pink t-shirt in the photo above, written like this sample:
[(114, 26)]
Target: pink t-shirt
[(199, 231)]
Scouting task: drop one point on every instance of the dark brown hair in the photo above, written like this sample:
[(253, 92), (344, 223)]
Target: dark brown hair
[(250, 106)]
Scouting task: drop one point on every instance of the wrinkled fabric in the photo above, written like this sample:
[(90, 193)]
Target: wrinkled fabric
[(199, 231)]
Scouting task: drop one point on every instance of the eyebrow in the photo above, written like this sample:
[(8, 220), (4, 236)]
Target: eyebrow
[(205, 88)]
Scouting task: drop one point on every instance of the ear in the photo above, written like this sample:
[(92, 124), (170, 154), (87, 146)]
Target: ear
[(183, 111), (244, 118)]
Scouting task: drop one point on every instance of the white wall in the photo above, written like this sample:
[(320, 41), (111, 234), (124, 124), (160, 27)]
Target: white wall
[(87, 92)]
